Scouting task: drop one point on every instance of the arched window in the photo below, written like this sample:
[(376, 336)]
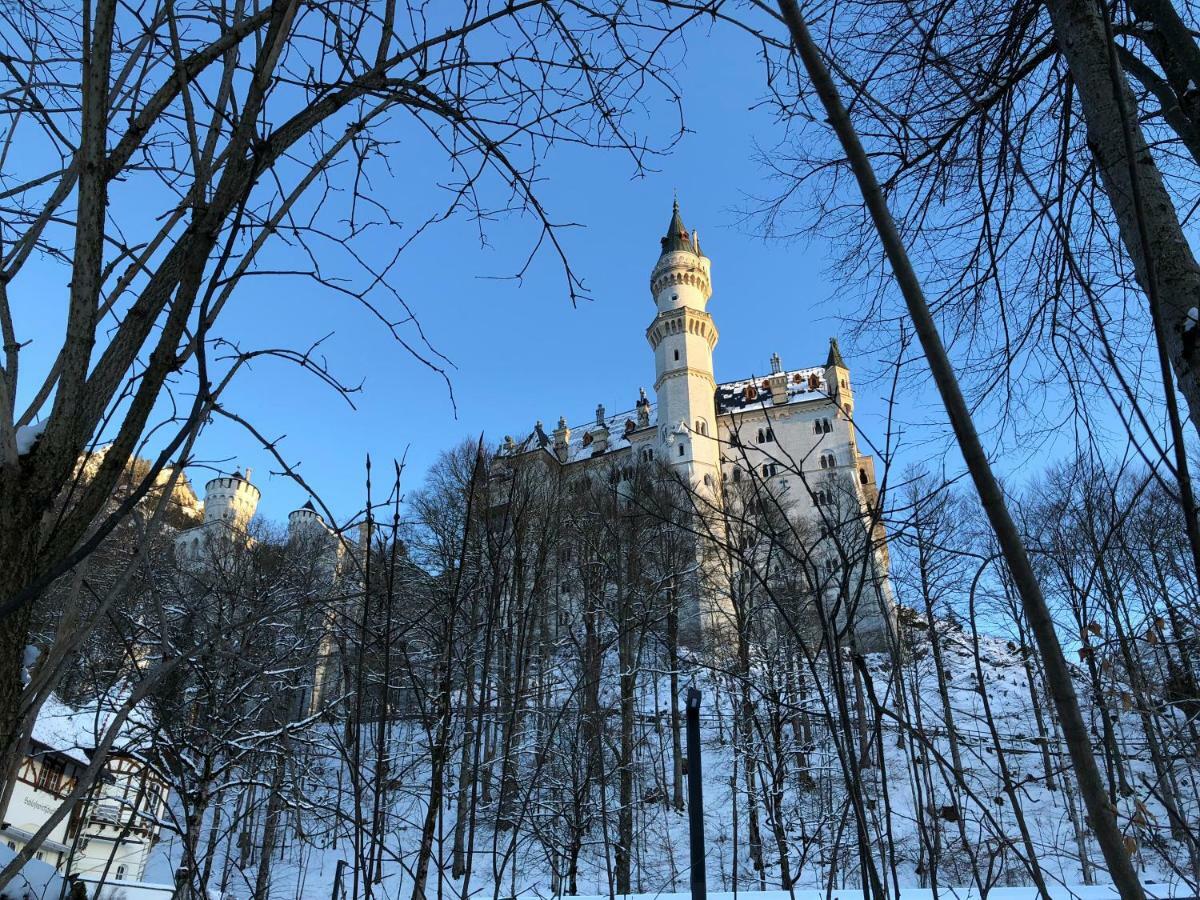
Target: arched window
[(768, 470), (681, 449), (828, 461), (862, 476), (647, 454), (708, 482), (701, 427), (737, 474), (822, 426)]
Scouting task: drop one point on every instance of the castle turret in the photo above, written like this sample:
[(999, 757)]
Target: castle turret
[(305, 520), (683, 337), (231, 499), (837, 377)]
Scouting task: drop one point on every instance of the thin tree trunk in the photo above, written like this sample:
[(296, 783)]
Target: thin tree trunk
[(1101, 812)]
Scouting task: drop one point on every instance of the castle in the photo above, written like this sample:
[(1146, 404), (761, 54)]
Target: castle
[(786, 438), (790, 432)]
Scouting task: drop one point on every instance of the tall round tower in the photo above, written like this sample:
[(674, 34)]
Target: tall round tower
[(683, 337), (231, 498)]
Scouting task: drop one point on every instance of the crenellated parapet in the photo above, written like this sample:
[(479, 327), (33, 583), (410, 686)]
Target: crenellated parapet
[(682, 268)]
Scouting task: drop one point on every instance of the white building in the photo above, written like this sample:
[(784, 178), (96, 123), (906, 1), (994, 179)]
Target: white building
[(789, 431), (111, 832)]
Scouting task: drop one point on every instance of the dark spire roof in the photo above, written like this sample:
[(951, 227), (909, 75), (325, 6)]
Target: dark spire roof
[(677, 237), (835, 355), (308, 505)]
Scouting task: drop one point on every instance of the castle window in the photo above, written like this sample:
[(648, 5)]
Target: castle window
[(862, 476), (737, 474), (768, 470), (647, 454), (828, 461), (734, 440), (822, 426), (676, 356), (766, 435), (681, 449), (708, 480), (701, 427)]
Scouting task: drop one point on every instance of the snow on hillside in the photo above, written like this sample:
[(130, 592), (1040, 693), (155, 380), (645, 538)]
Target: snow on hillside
[(911, 799)]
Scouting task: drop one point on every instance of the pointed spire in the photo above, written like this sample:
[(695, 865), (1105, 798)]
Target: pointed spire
[(835, 355), (677, 236)]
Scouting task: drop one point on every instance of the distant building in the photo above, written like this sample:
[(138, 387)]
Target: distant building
[(768, 429), (109, 835), (230, 502)]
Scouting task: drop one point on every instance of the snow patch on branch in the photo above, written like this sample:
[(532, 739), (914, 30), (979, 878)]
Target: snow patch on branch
[(28, 436)]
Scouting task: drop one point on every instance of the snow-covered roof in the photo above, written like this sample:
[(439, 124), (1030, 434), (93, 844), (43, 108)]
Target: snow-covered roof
[(743, 395), (803, 386), (583, 441), (74, 732)]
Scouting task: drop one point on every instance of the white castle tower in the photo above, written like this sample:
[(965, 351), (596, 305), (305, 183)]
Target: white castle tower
[(683, 337), (231, 499)]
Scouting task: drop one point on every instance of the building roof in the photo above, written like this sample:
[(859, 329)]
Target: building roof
[(835, 355), (803, 386), (677, 237), (75, 732)]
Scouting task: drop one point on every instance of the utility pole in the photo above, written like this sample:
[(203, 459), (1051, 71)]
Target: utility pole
[(695, 795)]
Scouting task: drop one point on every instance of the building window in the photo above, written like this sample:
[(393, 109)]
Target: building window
[(765, 435), (647, 454), (734, 440), (681, 449), (676, 356), (862, 476), (701, 427), (708, 482), (828, 461), (822, 426), (120, 873), (768, 470), (737, 474), (50, 775)]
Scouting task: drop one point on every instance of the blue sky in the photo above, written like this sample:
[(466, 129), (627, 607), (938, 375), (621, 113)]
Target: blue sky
[(519, 350)]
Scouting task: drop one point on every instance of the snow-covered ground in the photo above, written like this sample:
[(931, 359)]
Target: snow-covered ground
[(909, 792)]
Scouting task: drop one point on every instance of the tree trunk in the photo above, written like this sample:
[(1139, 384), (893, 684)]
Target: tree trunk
[(1041, 623)]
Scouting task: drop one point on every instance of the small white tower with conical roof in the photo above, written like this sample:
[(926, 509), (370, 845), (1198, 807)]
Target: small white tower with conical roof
[(683, 336)]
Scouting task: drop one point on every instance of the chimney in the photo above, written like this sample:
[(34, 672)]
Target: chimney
[(600, 433), (778, 381), (562, 439)]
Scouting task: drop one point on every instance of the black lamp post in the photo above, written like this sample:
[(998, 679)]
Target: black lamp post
[(695, 795)]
